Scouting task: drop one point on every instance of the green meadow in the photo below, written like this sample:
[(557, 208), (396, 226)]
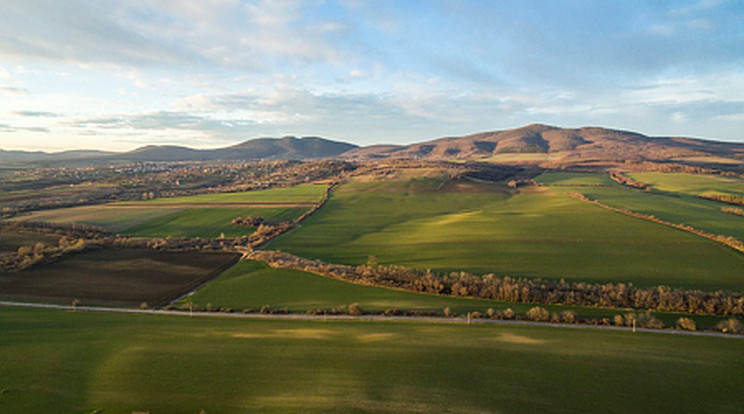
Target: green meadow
[(115, 363), (533, 233), (253, 284), (308, 193), (209, 222), (675, 207), (692, 184)]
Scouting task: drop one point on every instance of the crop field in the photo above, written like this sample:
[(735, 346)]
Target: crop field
[(308, 194), (141, 363), (206, 216), (253, 284), (122, 277), (677, 208), (692, 184), (114, 218), (535, 233), (12, 241), (208, 222)]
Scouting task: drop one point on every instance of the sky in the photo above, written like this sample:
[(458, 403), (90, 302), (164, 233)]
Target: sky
[(116, 75)]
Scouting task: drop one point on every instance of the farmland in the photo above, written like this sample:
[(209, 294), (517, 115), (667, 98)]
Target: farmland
[(125, 363), (310, 193), (205, 216), (252, 285), (534, 232), (12, 241), (692, 184), (124, 277), (208, 222), (682, 207)]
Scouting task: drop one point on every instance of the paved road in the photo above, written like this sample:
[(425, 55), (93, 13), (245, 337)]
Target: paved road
[(302, 317)]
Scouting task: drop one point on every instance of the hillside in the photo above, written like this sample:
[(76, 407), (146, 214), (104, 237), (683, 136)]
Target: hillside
[(543, 144), (254, 149)]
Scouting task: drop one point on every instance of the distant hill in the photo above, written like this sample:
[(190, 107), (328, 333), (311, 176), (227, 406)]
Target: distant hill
[(254, 149), (543, 144)]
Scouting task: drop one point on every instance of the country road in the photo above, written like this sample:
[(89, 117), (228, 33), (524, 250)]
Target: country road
[(370, 318)]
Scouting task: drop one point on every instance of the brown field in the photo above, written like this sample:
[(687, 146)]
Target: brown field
[(121, 277), (10, 242)]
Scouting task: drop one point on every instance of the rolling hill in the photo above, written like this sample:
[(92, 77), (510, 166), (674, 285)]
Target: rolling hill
[(533, 144), (254, 149), (543, 143)]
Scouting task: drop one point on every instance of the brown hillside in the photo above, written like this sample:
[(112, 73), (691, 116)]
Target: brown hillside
[(547, 144)]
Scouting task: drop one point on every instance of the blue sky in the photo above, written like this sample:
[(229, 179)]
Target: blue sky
[(120, 74)]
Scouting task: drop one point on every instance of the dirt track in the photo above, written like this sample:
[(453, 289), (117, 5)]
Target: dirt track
[(368, 318)]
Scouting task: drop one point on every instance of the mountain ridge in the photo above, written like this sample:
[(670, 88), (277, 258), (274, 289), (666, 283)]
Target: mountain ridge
[(531, 144)]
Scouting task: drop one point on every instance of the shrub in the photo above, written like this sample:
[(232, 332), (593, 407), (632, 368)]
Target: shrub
[(354, 309), (731, 325), (687, 324), (538, 314), (567, 316), (507, 313)]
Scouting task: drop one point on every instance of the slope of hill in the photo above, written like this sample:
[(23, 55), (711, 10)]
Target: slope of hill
[(544, 143), (254, 149)]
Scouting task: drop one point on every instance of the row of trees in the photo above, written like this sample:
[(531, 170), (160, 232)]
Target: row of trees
[(627, 181), (725, 198), (733, 210), (729, 241), (490, 286)]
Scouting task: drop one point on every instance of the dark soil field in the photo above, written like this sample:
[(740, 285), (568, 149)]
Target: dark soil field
[(121, 277), (10, 242)]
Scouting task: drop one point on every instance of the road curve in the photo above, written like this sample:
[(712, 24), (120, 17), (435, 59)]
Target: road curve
[(374, 318)]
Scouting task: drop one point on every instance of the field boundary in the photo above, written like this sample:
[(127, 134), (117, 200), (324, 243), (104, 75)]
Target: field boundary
[(727, 241), (364, 318)]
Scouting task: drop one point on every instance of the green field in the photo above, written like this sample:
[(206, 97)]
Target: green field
[(572, 178), (114, 218), (206, 216), (676, 207), (208, 222), (535, 233), (692, 184), (309, 193), (252, 284), (139, 363)]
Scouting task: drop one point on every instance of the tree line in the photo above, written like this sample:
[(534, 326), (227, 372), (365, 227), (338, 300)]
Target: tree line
[(522, 290)]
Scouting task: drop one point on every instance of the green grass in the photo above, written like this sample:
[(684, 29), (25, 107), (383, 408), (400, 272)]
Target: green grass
[(680, 207), (252, 284), (114, 218), (309, 193), (54, 361), (692, 184), (536, 234), (208, 222), (571, 178)]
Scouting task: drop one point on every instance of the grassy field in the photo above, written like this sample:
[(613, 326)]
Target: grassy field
[(206, 216), (208, 222), (114, 218), (10, 241), (692, 184), (134, 363), (572, 178), (310, 193), (252, 284), (534, 233), (121, 277), (677, 208)]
